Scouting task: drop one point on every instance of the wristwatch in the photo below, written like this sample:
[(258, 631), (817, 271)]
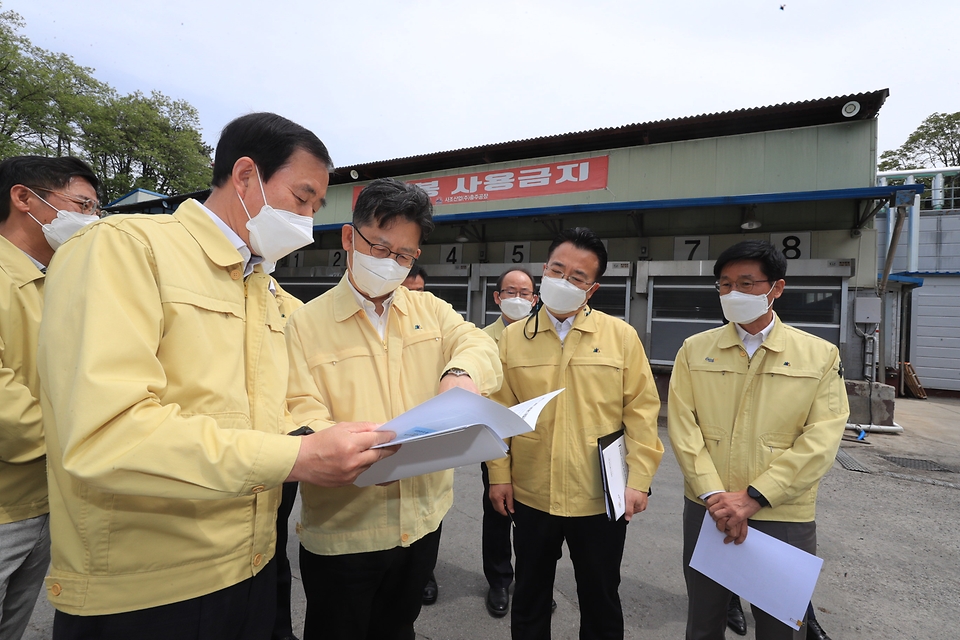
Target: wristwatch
[(455, 371), (759, 497)]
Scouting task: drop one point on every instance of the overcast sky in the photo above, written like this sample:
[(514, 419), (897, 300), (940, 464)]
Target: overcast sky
[(381, 79)]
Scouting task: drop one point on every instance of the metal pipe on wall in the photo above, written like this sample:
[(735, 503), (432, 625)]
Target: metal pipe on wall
[(892, 251)]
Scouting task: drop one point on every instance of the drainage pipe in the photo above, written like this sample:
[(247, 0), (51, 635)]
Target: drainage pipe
[(875, 428)]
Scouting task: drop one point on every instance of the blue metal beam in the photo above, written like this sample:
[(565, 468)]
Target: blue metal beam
[(863, 193)]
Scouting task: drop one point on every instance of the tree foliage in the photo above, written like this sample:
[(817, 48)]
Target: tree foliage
[(49, 105), (935, 143)]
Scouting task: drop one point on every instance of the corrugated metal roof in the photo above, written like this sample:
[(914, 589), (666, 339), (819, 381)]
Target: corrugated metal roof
[(781, 116), (903, 277)]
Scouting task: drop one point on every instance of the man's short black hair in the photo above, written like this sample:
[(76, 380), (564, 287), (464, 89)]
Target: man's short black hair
[(514, 270), (583, 238), (269, 140), (772, 261), (417, 270), (386, 199), (39, 171)]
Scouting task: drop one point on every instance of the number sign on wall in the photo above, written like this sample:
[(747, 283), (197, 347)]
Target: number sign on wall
[(451, 253), (691, 247), (516, 252), (337, 258), (795, 246)]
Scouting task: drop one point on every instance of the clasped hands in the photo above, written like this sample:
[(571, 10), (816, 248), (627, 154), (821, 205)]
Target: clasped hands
[(731, 510)]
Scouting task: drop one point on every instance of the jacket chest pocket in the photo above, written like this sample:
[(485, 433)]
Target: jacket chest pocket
[(795, 389), (333, 367), (423, 352), (532, 375), (717, 392), (606, 367), (192, 323), (599, 378), (189, 305)]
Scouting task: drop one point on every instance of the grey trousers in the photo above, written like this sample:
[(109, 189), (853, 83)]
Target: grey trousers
[(24, 558), (707, 601)]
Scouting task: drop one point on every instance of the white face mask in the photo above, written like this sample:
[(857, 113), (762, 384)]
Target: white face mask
[(63, 226), (559, 296), (376, 276), (744, 308), (275, 233), (515, 308)]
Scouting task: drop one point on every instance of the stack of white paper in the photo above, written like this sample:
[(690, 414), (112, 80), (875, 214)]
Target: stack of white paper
[(453, 429)]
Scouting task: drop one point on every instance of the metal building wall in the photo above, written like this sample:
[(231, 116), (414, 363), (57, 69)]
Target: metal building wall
[(832, 156)]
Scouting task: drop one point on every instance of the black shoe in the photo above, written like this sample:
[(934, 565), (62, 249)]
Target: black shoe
[(735, 619), (553, 605), (815, 631), (498, 601), (430, 591)]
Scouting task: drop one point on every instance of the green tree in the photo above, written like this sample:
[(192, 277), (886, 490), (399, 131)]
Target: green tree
[(143, 142), (43, 95), (49, 105), (935, 143)]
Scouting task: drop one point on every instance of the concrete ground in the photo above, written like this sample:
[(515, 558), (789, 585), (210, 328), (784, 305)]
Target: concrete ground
[(890, 540)]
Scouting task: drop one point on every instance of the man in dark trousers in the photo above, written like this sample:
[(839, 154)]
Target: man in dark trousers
[(756, 412), (550, 481)]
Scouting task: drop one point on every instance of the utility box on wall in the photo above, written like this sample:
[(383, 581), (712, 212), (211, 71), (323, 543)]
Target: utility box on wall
[(867, 311)]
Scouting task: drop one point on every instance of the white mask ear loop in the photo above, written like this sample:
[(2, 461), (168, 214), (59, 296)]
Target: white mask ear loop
[(242, 203), (41, 200), (34, 219), (260, 181)]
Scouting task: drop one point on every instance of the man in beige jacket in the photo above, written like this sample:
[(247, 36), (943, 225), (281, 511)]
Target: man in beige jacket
[(755, 416), (42, 202), (164, 374)]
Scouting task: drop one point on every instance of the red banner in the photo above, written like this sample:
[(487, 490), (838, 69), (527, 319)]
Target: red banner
[(570, 176)]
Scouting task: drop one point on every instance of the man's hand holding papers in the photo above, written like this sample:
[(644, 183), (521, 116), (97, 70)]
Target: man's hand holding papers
[(336, 456)]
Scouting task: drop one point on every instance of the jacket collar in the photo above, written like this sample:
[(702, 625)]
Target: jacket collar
[(776, 341), (585, 320), (345, 303), (16, 264), (213, 242)]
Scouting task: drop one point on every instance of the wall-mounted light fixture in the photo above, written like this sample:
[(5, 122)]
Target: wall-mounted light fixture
[(749, 222), (462, 236), (850, 109)]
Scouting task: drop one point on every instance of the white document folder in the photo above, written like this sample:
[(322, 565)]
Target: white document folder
[(770, 574), (613, 470), (453, 429)]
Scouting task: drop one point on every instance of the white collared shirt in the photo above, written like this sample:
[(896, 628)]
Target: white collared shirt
[(752, 342), (39, 265), (249, 260), (379, 321), (563, 328)]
